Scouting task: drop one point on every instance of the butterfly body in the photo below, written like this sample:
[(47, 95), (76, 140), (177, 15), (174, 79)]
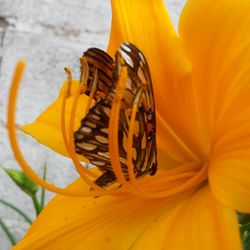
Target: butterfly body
[(92, 138)]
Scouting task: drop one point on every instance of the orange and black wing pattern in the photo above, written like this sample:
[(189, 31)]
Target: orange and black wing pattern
[(92, 138)]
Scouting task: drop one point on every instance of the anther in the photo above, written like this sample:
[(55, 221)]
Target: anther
[(69, 73)]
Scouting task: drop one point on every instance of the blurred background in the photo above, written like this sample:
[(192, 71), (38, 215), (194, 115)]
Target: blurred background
[(49, 34)]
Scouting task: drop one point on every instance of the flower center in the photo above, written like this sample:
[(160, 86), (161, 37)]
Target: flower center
[(163, 184)]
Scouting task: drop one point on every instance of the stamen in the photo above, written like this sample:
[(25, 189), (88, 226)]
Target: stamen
[(113, 131), (193, 178), (187, 176), (84, 74), (70, 147), (68, 71), (134, 182), (16, 149), (80, 169), (92, 92), (195, 181)]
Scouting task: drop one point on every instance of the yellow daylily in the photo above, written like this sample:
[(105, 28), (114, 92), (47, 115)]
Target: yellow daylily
[(201, 85)]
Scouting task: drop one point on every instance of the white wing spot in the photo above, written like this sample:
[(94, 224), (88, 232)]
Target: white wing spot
[(86, 130), (128, 59), (86, 146), (98, 163), (96, 117), (142, 57), (101, 139), (104, 154), (126, 47), (90, 124)]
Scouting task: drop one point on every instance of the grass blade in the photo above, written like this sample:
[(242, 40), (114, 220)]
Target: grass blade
[(8, 233), (42, 200), (16, 209)]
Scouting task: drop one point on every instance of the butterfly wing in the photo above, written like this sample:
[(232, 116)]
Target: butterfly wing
[(91, 139), (102, 63), (138, 88)]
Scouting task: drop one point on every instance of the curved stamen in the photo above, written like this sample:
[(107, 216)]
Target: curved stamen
[(190, 183), (92, 92), (138, 188), (69, 142), (192, 178), (70, 147), (134, 182), (168, 180), (16, 149), (69, 73), (84, 74), (113, 131), (81, 170)]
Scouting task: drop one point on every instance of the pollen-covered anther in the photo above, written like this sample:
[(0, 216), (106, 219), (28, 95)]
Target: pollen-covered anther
[(69, 73)]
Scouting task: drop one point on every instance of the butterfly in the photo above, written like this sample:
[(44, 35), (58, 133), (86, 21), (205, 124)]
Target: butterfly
[(91, 139)]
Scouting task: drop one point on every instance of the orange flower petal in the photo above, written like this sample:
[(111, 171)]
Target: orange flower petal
[(230, 163), (128, 222), (212, 33), (91, 223), (197, 223), (229, 181), (204, 224), (47, 127), (215, 35), (148, 26)]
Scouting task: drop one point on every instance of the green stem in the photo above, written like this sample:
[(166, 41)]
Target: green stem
[(8, 233), (36, 204), (20, 212), (42, 200)]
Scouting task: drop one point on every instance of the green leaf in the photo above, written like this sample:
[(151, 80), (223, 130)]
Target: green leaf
[(7, 232), (42, 199), (247, 244), (19, 211), (244, 218), (245, 235), (245, 227), (22, 181)]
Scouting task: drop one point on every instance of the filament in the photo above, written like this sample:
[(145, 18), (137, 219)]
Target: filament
[(18, 154), (70, 147), (92, 92), (167, 183), (113, 131), (69, 142), (84, 74), (68, 71)]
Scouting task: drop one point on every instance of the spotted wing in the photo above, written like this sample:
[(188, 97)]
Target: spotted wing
[(91, 139), (102, 63), (138, 88)]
